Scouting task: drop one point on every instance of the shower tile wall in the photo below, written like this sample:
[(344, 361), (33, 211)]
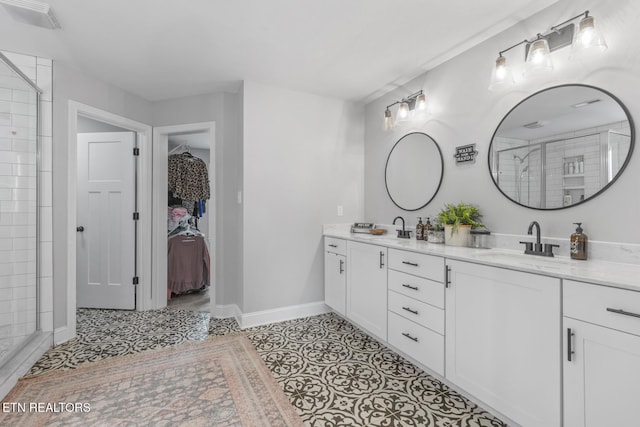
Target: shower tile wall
[(590, 147), (17, 191)]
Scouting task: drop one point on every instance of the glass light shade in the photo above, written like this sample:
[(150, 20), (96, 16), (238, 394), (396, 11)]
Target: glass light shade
[(588, 38), (538, 58), (403, 112), (421, 102), (501, 77), (388, 120)]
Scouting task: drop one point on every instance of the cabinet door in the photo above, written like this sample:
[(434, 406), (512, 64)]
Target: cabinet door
[(503, 342), (367, 287), (335, 281), (601, 380)]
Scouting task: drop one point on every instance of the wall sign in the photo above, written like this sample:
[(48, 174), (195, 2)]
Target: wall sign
[(466, 154)]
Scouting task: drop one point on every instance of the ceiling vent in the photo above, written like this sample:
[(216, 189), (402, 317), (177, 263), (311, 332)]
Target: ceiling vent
[(32, 12), (534, 125), (585, 103)]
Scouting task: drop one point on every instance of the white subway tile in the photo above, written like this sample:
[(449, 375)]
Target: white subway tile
[(46, 294), (5, 94), (46, 118), (46, 259), (46, 153), (46, 321), (46, 190), (46, 224)]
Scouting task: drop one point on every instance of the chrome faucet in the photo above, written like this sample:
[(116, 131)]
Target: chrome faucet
[(402, 234), (537, 249)]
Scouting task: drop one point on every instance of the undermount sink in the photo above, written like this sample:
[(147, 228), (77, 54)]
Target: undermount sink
[(519, 257)]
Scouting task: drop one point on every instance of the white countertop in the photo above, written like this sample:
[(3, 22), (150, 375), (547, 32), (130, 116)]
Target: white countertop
[(619, 275)]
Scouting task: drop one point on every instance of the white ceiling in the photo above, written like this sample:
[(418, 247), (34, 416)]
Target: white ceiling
[(356, 49)]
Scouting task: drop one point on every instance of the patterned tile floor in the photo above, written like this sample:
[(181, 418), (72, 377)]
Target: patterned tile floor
[(334, 374)]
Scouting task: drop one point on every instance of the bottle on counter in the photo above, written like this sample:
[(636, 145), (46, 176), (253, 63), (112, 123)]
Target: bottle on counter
[(426, 229), (419, 230), (578, 243)]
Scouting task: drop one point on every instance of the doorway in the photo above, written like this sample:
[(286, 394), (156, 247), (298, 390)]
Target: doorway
[(199, 140), (143, 290)]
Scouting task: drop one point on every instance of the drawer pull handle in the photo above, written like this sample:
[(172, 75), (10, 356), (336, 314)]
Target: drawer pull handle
[(570, 351), (626, 313), (414, 288), (413, 264), (410, 337), (341, 266), (333, 246), (410, 310), (447, 276), (381, 259)]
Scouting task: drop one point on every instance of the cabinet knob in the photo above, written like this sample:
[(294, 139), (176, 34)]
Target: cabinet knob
[(80, 229)]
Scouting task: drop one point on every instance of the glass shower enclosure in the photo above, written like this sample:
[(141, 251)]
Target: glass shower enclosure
[(19, 165)]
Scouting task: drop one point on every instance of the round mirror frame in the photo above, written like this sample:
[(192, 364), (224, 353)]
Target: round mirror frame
[(441, 171), (604, 188)]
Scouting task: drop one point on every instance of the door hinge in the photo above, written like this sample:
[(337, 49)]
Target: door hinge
[(136, 216), (136, 280), (136, 151)]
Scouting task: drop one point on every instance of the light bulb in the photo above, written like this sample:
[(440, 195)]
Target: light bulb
[(403, 112), (421, 102), (539, 57), (501, 76), (588, 38)]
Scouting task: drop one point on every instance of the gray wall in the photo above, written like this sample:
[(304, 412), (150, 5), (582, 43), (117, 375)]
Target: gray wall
[(303, 156), (465, 112)]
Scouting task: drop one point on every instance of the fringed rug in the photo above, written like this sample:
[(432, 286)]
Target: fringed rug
[(218, 382)]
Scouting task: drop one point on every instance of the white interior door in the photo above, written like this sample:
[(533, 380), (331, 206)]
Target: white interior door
[(106, 231)]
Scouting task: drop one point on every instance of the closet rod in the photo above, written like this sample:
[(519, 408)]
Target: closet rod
[(185, 146)]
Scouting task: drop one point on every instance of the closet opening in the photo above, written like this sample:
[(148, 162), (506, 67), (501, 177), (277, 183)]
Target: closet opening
[(184, 230), (188, 227)]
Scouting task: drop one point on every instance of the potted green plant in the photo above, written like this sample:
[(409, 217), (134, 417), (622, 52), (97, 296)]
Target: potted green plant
[(458, 221)]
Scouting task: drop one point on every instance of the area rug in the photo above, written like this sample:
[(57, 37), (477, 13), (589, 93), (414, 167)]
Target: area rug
[(219, 382)]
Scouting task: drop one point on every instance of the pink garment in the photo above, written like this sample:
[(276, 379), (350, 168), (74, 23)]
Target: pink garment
[(178, 213), (188, 264)]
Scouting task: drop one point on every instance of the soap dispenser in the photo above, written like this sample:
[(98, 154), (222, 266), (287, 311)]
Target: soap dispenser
[(426, 229), (419, 230), (578, 243)]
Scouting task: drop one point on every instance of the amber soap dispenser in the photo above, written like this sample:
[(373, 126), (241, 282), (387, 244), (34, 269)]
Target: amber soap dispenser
[(578, 243)]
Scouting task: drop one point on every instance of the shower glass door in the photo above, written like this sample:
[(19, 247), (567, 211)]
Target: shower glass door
[(19, 150)]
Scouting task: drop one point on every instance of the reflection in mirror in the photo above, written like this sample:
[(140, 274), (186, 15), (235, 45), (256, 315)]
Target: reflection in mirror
[(414, 171), (561, 146)]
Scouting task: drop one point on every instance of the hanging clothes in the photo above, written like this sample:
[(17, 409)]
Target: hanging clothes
[(188, 177), (188, 264)]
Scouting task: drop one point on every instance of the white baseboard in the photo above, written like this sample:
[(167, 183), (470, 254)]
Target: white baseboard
[(224, 311), (248, 320), (61, 335)]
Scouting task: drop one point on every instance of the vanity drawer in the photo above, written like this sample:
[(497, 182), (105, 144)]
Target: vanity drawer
[(420, 343), (424, 290), (593, 304), (429, 266), (416, 311), (337, 246)]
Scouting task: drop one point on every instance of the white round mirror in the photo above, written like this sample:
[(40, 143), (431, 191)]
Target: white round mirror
[(414, 171)]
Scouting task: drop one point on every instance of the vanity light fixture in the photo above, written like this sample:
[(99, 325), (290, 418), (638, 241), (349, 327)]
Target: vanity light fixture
[(414, 105), (537, 51)]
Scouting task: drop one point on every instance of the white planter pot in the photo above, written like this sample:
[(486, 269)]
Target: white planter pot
[(462, 236)]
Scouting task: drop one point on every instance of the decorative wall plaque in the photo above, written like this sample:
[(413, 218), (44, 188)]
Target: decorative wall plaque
[(466, 154)]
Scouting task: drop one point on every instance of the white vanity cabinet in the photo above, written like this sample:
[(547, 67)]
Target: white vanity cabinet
[(416, 307), (601, 355), (335, 275), (503, 342), (367, 287)]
